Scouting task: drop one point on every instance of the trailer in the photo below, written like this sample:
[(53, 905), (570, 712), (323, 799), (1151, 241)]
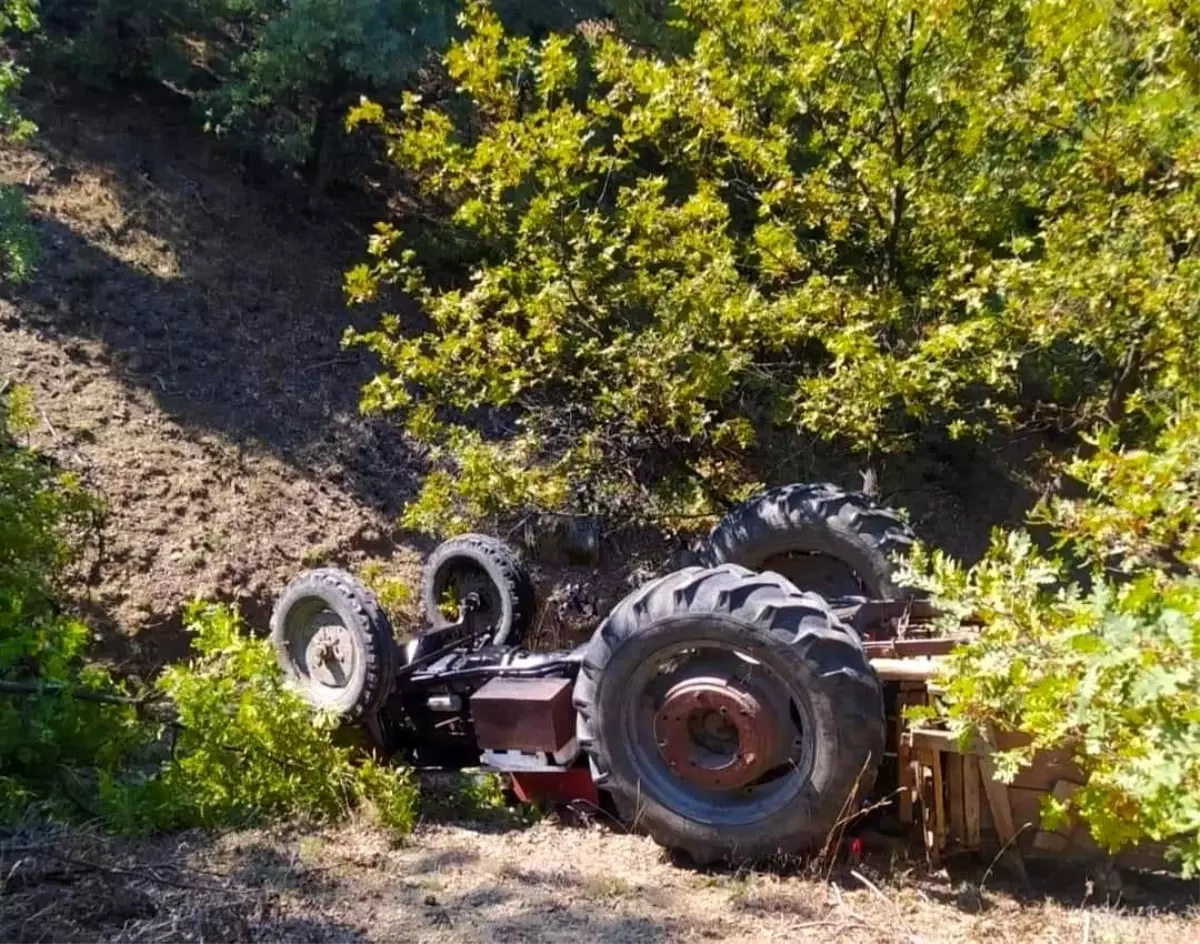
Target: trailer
[(747, 707)]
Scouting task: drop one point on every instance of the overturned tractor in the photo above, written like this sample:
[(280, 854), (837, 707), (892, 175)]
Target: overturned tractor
[(722, 708)]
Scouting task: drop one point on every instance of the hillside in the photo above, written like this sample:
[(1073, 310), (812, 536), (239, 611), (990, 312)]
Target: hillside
[(182, 343), (182, 339)]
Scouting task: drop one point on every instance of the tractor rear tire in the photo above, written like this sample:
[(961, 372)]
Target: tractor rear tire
[(834, 711), (798, 530)]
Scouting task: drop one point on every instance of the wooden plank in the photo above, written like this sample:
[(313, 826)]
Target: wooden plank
[(907, 670), (1026, 806), (954, 797), (972, 831), (1047, 768), (939, 803), (899, 648), (903, 769), (1002, 818), (944, 741), (1049, 842), (908, 785), (926, 761), (915, 781)]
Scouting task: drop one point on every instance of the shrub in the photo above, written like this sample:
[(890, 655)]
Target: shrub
[(870, 221), (246, 749), (51, 745), (1113, 668), (18, 242), (277, 76), (243, 748)]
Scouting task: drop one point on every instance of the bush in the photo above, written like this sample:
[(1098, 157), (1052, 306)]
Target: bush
[(277, 76), (1112, 668), (867, 221), (51, 746), (242, 747), (18, 242), (246, 749)]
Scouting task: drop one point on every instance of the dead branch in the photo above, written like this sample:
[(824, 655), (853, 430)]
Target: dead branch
[(81, 694)]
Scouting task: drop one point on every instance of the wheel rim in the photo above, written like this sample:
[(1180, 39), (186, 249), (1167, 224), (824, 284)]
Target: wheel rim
[(716, 734), (323, 652), (456, 582)]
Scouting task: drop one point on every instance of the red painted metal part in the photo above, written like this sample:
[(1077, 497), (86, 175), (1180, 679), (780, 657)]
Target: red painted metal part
[(555, 787), (740, 731)]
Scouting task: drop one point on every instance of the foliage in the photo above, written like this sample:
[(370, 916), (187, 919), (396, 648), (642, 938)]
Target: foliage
[(18, 242), (249, 749), (277, 76), (1112, 670), (871, 221), (1143, 506), (243, 747), (395, 596), (303, 64), (49, 744), (478, 797)]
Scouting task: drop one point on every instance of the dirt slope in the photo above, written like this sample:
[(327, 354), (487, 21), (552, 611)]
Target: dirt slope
[(182, 340)]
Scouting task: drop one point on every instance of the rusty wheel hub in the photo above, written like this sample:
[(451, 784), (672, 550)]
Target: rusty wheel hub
[(716, 735)]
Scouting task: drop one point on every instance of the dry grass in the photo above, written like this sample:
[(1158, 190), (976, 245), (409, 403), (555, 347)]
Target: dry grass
[(547, 882)]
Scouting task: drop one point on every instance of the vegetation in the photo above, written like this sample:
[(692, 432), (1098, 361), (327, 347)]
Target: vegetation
[(681, 245), (74, 743), (880, 223), (275, 77), (18, 245), (47, 742), (877, 223), (1113, 669), (245, 748)]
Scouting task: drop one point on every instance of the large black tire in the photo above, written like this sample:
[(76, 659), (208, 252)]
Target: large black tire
[(800, 530), (788, 634), (490, 568), (329, 606)]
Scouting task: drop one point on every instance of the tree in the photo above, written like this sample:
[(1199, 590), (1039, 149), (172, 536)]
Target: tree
[(872, 221), (277, 76), (300, 65)]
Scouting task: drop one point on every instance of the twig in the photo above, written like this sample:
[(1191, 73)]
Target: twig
[(875, 889), (825, 924), (53, 432), (55, 688), (146, 875), (1087, 927), (1003, 849)]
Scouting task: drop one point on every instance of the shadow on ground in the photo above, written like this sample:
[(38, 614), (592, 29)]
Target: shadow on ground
[(217, 298)]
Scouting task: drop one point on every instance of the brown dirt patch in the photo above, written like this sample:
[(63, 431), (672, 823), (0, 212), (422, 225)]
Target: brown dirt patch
[(182, 339)]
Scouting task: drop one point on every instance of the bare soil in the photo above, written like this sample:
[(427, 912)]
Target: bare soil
[(182, 339), (547, 882)]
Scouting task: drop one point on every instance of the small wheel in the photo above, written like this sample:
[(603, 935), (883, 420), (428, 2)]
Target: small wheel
[(335, 643), (476, 563), (820, 537), (729, 714)]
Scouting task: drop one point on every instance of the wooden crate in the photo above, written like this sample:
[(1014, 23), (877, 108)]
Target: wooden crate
[(964, 807)]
